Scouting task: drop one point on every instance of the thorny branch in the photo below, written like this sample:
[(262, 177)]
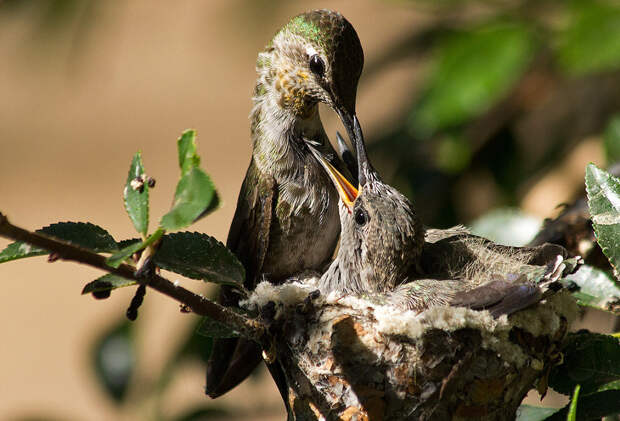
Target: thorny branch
[(250, 328)]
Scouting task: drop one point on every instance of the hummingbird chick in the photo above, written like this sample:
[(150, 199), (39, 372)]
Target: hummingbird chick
[(286, 220), (381, 234), (382, 240)]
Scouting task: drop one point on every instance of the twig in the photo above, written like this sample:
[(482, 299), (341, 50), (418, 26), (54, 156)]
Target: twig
[(245, 326)]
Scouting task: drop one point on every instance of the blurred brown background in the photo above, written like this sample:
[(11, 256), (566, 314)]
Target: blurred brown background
[(85, 84)]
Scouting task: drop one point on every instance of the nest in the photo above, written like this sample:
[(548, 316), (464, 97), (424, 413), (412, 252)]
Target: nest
[(356, 358), (353, 359)]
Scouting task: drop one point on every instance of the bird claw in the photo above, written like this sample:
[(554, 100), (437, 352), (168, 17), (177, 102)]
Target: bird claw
[(308, 303)]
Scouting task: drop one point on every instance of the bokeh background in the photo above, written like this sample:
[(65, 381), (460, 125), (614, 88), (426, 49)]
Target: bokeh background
[(469, 107)]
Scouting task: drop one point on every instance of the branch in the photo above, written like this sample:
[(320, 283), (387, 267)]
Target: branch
[(198, 304)]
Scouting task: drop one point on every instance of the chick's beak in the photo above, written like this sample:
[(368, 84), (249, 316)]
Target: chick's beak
[(345, 190)]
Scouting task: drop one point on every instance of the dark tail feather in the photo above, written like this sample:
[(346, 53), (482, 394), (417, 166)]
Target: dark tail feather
[(244, 357), (231, 362), (499, 297)]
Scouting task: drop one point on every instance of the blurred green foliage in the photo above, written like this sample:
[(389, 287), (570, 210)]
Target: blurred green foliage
[(114, 359), (509, 93), (612, 140), (472, 69), (591, 41)]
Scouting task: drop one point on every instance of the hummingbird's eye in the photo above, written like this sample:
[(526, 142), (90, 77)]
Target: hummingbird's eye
[(317, 66), (361, 217)]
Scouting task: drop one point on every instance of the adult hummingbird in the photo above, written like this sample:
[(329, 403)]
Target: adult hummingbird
[(286, 219), (382, 240)]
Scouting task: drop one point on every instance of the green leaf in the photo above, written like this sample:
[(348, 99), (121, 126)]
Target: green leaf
[(199, 256), (534, 413), (592, 407), (213, 329), (107, 283), (81, 234), (604, 203), (596, 289), (193, 196), (572, 409), (611, 140), (615, 385), (186, 145), (119, 257), (591, 41), (114, 358), (507, 226), (136, 195), (590, 360), (124, 243), (473, 69), (19, 250)]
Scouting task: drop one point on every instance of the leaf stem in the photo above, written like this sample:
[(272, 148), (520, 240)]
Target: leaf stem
[(247, 327)]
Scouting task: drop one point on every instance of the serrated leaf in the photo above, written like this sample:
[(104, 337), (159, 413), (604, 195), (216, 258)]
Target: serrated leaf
[(194, 194), (19, 250), (596, 289), (592, 407), (186, 145), (590, 359), (114, 359), (124, 243), (472, 70), (507, 226), (136, 195), (83, 234), (199, 256), (591, 41), (213, 206), (107, 283), (213, 329), (119, 257), (604, 203), (534, 413)]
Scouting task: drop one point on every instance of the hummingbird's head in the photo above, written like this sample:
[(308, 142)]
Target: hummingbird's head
[(316, 57), (381, 235)]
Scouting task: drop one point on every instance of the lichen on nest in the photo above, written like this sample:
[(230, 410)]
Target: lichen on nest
[(543, 318)]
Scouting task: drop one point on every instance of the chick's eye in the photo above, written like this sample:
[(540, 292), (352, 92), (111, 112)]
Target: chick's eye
[(316, 65), (361, 217)]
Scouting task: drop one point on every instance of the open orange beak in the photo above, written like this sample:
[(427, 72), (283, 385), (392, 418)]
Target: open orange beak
[(346, 191)]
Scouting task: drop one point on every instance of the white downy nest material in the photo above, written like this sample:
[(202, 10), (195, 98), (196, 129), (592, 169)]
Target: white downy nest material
[(539, 320)]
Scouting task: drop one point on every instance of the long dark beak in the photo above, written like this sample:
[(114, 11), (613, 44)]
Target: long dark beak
[(365, 171), (345, 190), (347, 119)]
